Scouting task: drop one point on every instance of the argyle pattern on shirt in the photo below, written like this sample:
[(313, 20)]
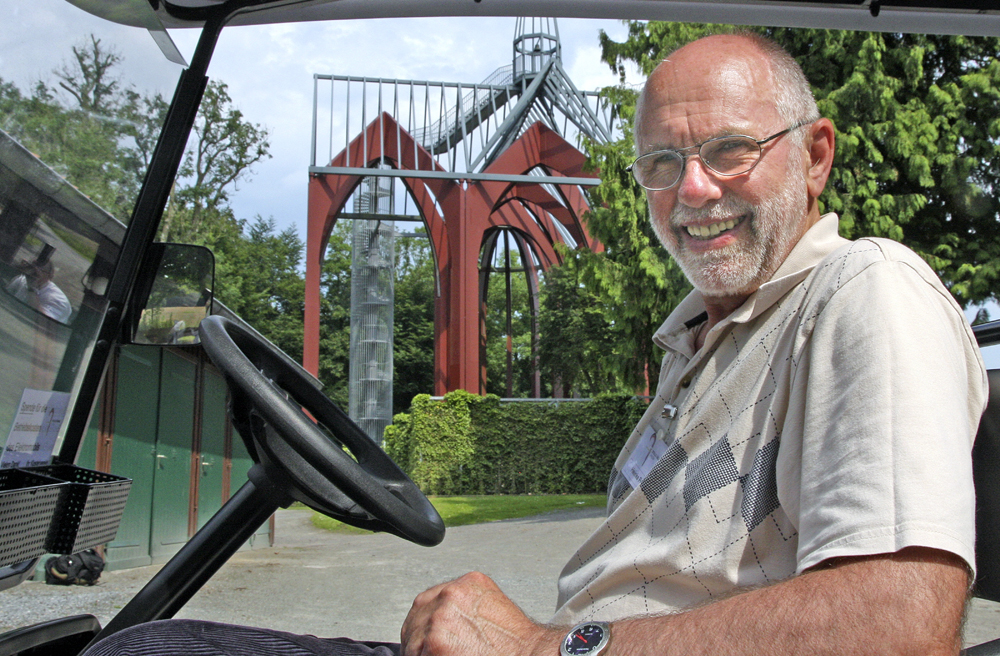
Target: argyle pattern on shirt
[(713, 470), (707, 513)]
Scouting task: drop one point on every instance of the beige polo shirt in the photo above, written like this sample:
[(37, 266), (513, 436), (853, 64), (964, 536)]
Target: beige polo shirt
[(832, 414)]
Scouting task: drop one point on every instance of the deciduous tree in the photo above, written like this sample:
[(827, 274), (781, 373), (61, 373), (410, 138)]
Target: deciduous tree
[(413, 319), (223, 149)]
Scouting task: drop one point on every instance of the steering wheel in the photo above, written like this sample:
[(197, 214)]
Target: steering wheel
[(309, 459)]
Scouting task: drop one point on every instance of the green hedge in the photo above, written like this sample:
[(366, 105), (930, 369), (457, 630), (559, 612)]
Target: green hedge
[(469, 444)]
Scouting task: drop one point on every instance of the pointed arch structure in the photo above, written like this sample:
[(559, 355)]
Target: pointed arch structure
[(532, 187)]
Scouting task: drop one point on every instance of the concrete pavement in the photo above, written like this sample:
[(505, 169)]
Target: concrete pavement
[(328, 584), (361, 586)]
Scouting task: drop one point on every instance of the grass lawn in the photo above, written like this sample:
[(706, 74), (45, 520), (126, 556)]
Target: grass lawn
[(458, 511)]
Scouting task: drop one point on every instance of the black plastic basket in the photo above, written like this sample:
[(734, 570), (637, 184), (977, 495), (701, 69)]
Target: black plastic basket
[(89, 510), (28, 503)]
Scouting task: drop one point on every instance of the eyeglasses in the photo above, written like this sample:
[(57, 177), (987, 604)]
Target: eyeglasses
[(730, 155)]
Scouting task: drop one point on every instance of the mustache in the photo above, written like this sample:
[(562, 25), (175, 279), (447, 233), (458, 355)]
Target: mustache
[(722, 209)]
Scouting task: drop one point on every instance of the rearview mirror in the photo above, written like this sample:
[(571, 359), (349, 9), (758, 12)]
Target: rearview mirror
[(177, 297)]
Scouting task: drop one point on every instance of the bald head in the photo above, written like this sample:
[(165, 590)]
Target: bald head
[(747, 66)]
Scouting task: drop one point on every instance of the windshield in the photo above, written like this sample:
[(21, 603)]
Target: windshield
[(77, 124), (84, 105)]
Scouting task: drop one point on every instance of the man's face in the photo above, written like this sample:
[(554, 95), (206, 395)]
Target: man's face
[(38, 277), (728, 234)]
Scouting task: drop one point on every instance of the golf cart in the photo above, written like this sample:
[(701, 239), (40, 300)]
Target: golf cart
[(295, 458)]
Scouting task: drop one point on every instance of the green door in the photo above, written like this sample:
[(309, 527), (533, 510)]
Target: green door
[(213, 445), (136, 412), (172, 472)]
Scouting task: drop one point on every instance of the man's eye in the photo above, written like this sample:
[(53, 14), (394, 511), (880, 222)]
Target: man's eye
[(667, 159), (731, 147), (731, 155)]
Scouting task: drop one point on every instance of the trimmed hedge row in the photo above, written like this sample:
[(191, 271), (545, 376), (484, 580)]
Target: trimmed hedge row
[(468, 444)]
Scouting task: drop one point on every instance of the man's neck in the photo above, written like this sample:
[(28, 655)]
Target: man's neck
[(718, 308)]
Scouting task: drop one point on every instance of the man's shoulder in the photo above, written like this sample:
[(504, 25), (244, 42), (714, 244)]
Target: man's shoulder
[(890, 258), (874, 274)]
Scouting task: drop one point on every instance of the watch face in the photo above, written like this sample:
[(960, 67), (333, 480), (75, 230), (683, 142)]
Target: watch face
[(584, 640)]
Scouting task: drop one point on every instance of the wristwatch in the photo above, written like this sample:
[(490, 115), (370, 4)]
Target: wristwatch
[(590, 638)]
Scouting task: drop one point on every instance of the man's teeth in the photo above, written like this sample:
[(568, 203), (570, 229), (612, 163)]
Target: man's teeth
[(711, 230)]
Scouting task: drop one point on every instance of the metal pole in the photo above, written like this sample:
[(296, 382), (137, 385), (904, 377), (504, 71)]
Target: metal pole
[(510, 320), (143, 226), (312, 145), (202, 556)]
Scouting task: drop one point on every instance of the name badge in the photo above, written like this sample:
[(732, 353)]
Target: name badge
[(645, 455)]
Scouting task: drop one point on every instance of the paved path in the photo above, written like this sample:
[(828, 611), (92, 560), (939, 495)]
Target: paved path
[(328, 584), (360, 586)]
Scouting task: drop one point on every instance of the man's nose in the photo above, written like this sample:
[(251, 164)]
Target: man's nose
[(698, 185)]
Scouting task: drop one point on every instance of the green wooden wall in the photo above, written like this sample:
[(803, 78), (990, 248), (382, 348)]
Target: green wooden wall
[(170, 434)]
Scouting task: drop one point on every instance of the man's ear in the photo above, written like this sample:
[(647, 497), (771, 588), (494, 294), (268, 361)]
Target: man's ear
[(820, 144)]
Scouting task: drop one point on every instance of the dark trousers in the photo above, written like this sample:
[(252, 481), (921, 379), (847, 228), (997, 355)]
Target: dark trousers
[(197, 638)]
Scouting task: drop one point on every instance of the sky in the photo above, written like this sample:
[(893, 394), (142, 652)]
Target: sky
[(269, 71)]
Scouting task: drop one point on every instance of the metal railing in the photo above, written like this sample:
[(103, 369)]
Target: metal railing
[(455, 122)]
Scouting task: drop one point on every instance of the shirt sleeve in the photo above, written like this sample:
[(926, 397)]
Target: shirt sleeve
[(889, 390)]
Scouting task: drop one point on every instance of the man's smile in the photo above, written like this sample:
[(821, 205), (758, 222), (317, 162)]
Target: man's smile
[(713, 229)]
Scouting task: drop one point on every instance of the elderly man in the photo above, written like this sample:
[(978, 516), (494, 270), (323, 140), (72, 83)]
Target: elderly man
[(801, 482)]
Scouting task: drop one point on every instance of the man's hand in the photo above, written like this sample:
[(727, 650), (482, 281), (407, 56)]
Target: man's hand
[(470, 616)]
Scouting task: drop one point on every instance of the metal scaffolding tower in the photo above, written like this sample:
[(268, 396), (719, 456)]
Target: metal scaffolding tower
[(473, 158), (372, 274)]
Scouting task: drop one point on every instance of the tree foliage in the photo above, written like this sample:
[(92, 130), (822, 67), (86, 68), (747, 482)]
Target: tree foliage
[(87, 126), (413, 338), (259, 278), (225, 147), (335, 314), (90, 80), (508, 342), (576, 345), (917, 137)]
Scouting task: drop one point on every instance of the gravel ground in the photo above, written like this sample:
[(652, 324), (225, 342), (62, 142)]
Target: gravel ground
[(360, 586)]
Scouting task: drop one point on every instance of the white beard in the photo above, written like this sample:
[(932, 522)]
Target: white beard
[(746, 264)]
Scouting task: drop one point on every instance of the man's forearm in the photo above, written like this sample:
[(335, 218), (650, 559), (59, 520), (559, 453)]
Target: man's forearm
[(906, 603)]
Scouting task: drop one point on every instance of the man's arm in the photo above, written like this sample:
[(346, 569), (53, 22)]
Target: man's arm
[(910, 602)]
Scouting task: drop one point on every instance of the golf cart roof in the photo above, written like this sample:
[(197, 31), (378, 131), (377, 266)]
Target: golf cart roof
[(970, 17)]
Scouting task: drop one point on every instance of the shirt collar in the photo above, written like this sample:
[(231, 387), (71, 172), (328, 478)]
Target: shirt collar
[(818, 242)]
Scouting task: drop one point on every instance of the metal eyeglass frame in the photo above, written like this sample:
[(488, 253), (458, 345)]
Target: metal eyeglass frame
[(685, 153)]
